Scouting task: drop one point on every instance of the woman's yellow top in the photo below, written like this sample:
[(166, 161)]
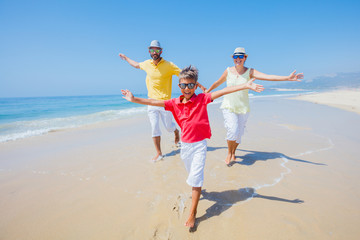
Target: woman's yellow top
[(237, 102)]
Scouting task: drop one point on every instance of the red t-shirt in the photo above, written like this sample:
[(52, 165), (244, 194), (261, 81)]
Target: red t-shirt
[(192, 116)]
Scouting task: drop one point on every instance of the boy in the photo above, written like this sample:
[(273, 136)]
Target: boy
[(190, 112)]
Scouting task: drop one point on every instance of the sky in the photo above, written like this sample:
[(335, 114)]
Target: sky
[(66, 48)]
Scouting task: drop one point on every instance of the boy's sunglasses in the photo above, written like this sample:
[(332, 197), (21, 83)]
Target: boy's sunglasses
[(189, 85), (238, 56), (155, 50)]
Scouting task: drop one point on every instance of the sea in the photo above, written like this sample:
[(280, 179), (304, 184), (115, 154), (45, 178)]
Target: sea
[(32, 116)]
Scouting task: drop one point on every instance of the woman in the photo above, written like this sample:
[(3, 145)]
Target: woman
[(235, 106)]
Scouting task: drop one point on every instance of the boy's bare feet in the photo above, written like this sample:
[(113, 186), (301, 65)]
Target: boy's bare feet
[(177, 136), (191, 221)]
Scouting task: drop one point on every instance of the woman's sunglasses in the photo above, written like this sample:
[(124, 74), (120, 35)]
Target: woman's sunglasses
[(189, 85), (238, 56), (155, 50)]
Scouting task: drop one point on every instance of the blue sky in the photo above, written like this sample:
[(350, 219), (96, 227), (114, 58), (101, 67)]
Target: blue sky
[(61, 48)]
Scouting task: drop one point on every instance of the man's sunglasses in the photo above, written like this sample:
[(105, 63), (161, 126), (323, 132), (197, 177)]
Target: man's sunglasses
[(189, 85), (155, 50), (238, 56)]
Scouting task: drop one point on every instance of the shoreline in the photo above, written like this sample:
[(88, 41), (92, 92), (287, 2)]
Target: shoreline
[(21, 128), (346, 99)]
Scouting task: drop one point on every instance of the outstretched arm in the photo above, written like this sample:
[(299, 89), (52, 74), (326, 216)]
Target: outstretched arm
[(218, 82), (249, 85), (153, 102), (131, 62), (262, 76)]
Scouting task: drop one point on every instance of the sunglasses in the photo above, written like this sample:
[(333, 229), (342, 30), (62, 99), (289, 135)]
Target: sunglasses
[(155, 50), (189, 85), (238, 56)]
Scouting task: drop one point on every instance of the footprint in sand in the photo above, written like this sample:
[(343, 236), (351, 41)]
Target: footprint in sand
[(179, 206)]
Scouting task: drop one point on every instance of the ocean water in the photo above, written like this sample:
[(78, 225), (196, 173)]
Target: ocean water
[(26, 117)]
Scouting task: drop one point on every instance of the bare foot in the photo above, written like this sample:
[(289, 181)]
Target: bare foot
[(177, 136), (158, 157), (228, 158), (191, 221)]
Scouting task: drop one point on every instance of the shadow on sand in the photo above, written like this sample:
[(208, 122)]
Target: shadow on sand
[(252, 156), (173, 153), (226, 199)]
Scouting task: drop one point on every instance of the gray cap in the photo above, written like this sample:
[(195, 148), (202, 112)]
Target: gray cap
[(155, 43), (239, 50)]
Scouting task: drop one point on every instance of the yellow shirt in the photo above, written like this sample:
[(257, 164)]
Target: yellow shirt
[(237, 102), (159, 78)]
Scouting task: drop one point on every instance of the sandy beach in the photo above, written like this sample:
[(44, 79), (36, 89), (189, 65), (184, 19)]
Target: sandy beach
[(345, 99), (296, 177)]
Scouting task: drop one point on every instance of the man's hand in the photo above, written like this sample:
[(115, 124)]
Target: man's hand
[(131, 62), (127, 95)]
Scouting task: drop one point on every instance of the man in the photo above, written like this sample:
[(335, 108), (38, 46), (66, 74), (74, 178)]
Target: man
[(158, 82)]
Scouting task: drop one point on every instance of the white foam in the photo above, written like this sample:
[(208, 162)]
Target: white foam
[(276, 180), (288, 170), (24, 129)]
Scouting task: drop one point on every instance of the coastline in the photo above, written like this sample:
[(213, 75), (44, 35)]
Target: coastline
[(347, 99), (296, 177)]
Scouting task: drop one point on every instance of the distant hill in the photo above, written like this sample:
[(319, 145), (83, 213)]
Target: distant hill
[(347, 80)]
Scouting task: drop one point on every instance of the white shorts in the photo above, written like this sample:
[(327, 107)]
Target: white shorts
[(193, 156), (235, 125), (155, 113)]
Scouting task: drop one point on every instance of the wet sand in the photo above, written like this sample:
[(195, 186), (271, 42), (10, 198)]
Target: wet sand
[(296, 177)]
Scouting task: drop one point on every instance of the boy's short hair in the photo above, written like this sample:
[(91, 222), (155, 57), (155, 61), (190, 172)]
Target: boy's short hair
[(189, 72)]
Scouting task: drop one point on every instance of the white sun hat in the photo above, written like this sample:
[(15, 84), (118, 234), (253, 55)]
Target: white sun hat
[(239, 51)]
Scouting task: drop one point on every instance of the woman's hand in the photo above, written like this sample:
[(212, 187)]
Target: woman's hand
[(296, 77), (122, 56), (201, 87)]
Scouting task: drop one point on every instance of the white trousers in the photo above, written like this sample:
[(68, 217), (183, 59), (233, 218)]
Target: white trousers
[(235, 125), (193, 156), (157, 113)]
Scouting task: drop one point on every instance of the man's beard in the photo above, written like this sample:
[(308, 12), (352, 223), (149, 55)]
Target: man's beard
[(155, 57)]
